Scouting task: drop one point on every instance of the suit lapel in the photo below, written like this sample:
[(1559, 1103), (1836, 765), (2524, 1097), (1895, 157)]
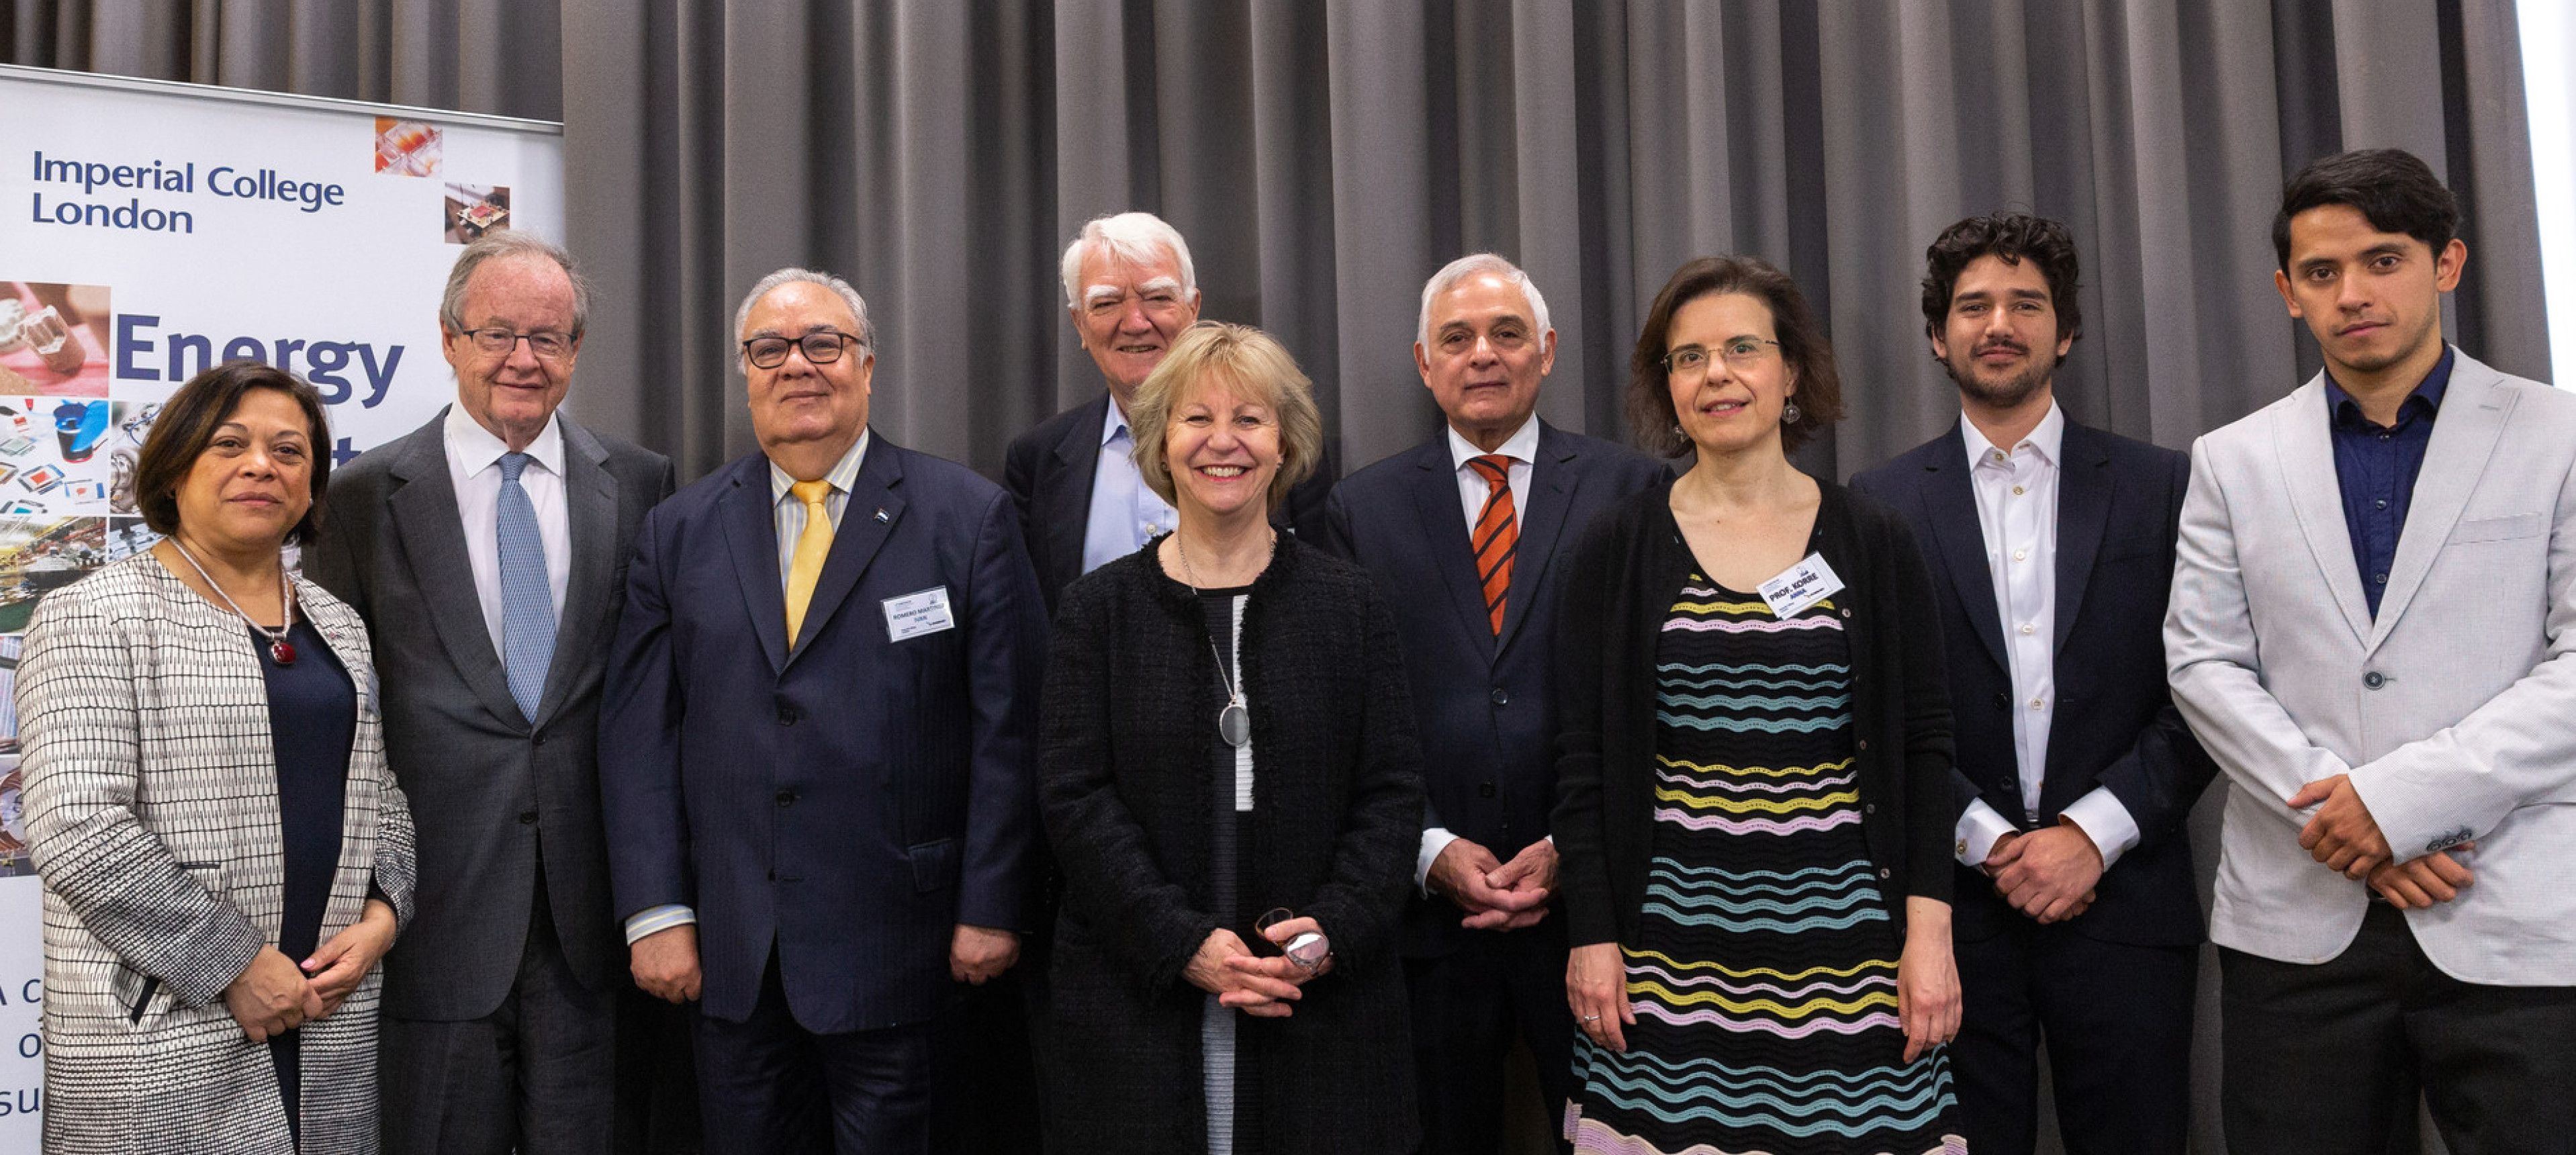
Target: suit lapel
[(751, 536), (2465, 432), (433, 538), (1067, 517), (1453, 553), (866, 521), (1553, 480), (2304, 447), (2084, 484), (590, 504), (1959, 538)]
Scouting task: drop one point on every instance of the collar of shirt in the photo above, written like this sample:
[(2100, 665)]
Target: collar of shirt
[(2046, 439), (2425, 401), (1521, 446), (476, 447), (1114, 424), (844, 474)]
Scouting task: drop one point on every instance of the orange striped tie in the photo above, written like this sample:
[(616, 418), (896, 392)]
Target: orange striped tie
[(1497, 534)]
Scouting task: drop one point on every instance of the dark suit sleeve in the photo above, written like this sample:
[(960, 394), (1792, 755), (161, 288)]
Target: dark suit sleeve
[(2164, 773), (1963, 789), (1020, 475), (1930, 771), (670, 481), (1145, 918), (1362, 900), (1304, 509), (640, 712), (331, 559), (1335, 538), (1582, 625), (1006, 644)]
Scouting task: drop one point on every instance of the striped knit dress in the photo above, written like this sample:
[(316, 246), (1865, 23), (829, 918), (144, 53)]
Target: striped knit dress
[(1764, 978)]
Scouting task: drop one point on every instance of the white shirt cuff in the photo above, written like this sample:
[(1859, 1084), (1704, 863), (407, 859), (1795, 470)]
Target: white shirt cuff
[(2101, 817), (1979, 829), (655, 919), (1434, 841)]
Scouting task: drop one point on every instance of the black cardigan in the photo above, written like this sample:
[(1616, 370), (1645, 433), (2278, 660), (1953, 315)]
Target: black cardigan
[(1127, 724), (1625, 571)]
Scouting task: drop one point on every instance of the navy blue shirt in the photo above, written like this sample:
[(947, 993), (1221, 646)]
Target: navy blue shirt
[(2375, 465)]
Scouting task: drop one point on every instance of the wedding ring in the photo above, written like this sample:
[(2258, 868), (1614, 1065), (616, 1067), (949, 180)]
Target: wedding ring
[(1591, 1018)]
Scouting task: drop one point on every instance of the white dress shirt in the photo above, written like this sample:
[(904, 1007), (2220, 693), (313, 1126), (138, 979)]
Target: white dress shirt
[(1125, 512), (2016, 494), (1522, 448), (474, 469)]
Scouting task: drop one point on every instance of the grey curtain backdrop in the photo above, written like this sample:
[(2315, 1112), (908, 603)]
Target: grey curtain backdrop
[(1325, 156)]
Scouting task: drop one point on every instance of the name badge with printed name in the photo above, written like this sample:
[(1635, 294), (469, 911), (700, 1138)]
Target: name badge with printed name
[(1800, 586), (913, 615)]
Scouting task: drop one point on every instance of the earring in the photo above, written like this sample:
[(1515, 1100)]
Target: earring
[(1677, 429), (1789, 413)]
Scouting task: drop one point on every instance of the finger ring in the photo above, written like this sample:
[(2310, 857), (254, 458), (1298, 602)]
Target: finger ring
[(1591, 1018)]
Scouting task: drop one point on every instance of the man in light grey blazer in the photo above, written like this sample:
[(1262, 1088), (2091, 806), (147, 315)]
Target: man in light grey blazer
[(487, 551), (2373, 630)]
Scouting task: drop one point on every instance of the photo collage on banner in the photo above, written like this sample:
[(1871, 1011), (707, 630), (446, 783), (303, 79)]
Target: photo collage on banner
[(149, 231)]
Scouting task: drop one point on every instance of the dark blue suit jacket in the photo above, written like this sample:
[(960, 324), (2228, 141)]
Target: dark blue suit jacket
[(2119, 503), (849, 802), (1484, 705)]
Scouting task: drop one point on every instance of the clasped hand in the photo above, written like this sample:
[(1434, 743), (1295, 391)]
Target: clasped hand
[(1262, 986), (2048, 874), (274, 994), (1496, 895), (2345, 837)]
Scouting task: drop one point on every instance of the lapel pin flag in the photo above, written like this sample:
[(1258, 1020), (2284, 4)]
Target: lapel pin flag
[(881, 515)]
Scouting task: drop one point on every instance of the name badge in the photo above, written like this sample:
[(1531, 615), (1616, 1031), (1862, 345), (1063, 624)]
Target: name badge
[(1800, 586), (913, 615)]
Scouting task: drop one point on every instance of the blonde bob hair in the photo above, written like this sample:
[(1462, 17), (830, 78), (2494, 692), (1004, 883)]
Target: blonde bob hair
[(1254, 364)]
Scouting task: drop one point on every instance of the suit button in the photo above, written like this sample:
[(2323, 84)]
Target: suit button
[(527, 818), (787, 714), (1869, 808), (539, 740), (1884, 873), (2374, 679), (1502, 697), (1863, 744), (787, 798), (1484, 790)]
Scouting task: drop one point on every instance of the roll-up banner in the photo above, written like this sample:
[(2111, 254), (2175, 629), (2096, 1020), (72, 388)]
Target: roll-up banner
[(149, 230)]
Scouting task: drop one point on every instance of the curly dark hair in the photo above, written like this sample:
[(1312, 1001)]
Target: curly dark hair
[(2390, 187), (1802, 345), (2012, 238)]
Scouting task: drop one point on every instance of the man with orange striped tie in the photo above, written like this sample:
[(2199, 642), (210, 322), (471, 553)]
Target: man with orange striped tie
[(1463, 532)]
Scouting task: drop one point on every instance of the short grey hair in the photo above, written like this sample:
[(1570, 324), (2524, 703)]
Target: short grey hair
[(511, 243), (1134, 237), (1470, 265), (867, 333)]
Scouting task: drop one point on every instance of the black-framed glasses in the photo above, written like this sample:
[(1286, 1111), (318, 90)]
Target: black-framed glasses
[(1740, 353), (822, 347), (499, 341)]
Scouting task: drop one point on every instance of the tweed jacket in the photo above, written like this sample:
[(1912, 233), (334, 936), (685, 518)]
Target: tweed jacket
[(1128, 723), (151, 808)]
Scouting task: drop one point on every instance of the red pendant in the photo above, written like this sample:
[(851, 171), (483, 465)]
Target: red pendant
[(283, 652)]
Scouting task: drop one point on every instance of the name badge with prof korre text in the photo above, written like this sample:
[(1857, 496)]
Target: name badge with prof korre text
[(1800, 586), (913, 615)]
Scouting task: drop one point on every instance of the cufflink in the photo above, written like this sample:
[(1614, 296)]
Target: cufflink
[(1961, 850)]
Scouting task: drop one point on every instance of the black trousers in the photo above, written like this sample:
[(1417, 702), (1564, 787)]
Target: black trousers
[(1467, 1006), (2326, 1057), (984, 1076), (767, 1086), (2117, 1022)]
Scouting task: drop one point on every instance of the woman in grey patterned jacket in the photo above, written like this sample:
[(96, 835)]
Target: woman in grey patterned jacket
[(224, 855)]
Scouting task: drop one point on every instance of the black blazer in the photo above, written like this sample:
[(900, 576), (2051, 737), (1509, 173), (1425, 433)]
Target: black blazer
[(1487, 703), (1128, 728), (2119, 503), (1048, 471), (1627, 566)]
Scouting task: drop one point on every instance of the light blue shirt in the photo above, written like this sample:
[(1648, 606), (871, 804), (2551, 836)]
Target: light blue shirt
[(1125, 514)]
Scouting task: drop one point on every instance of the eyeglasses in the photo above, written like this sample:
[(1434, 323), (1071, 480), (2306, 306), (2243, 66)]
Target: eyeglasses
[(500, 341), (822, 347), (1741, 353)]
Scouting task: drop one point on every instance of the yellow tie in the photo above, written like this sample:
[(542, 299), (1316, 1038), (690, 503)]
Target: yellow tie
[(812, 547)]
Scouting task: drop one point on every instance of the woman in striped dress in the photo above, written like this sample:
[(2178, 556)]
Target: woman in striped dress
[(1755, 777)]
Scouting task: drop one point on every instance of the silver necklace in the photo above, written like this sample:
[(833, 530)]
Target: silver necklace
[(279, 649), (1234, 722)]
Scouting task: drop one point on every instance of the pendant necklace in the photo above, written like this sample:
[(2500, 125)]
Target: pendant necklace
[(1234, 722), (279, 649)]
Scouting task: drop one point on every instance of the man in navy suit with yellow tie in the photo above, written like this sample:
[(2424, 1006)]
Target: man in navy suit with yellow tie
[(815, 750), (1463, 533)]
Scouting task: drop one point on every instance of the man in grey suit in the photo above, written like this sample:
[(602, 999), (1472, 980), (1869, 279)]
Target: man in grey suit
[(2373, 631), (486, 550)]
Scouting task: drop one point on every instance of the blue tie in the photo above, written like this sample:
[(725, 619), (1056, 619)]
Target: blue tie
[(527, 605)]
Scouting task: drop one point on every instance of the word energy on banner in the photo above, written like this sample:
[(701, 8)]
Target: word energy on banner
[(150, 230)]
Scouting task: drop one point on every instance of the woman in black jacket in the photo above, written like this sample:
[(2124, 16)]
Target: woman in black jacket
[(1754, 768), (1225, 735)]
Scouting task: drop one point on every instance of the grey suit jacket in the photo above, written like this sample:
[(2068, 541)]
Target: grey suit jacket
[(487, 788), (2454, 710)]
